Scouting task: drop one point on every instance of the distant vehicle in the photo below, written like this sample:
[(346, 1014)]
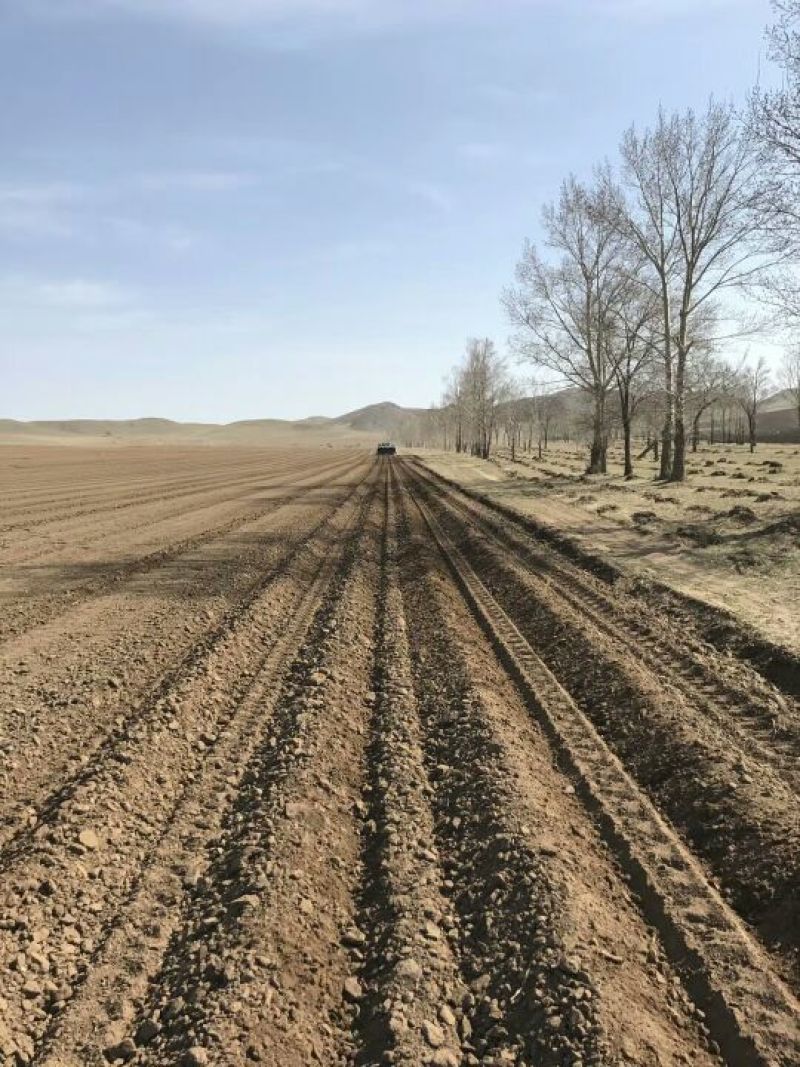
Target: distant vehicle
[(386, 448)]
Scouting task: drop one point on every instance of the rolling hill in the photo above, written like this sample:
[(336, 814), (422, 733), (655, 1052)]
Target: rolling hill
[(385, 420)]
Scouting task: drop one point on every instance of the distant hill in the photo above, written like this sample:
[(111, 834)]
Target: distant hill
[(368, 424), (385, 418), (382, 421), (104, 428)]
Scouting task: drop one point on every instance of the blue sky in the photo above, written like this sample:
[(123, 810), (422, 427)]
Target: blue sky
[(222, 209)]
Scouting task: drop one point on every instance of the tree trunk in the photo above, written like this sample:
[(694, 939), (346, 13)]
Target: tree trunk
[(666, 442), (678, 473), (597, 455), (751, 425), (696, 431), (666, 432), (626, 430)]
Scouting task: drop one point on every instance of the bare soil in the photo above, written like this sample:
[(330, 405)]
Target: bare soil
[(729, 536), (311, 757)]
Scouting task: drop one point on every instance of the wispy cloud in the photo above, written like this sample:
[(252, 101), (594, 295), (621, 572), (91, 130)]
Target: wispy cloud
[(354, 251), (196, 181), (39, 210), (483, 151), (90, 213), (64, 294), (431, 194), (216, 12), (361, 14), (166, 235), (82, 304)]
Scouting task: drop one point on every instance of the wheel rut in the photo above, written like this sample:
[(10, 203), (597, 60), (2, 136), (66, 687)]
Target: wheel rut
[(751, 1013), (738, 811), (403, 943)]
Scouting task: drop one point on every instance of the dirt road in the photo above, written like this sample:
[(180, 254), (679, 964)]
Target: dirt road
[(307, 757)]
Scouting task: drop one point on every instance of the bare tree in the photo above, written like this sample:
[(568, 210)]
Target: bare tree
[(476, 389), (753, 387), (549, 408), (513, 415), (774, 121), (789, 378), (691, 198), (708, 378), (635, 336), (453, 404), (562, 307)]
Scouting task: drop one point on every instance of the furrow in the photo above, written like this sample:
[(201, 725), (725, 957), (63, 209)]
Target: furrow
[(735, 811), (256, 969), (34, 611), (63, 896), (98, 1019), (731, 693), (412, 1007), (750, 1011), (64, 746), (527, 1002)]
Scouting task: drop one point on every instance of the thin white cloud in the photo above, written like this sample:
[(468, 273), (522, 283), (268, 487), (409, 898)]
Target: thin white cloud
[(483, 151), (363, 14), (167, 236), (431, 194), (64, 294), (81, 305), (353, 251), (38, 210), (196, 181), (217, 12)]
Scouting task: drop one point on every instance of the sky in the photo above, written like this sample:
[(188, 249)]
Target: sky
[(222, 209)]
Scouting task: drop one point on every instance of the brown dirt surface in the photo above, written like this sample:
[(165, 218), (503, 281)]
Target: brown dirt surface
[(308, 756), (729, 536)]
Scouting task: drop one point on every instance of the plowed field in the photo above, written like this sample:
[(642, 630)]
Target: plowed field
[(310, 757)]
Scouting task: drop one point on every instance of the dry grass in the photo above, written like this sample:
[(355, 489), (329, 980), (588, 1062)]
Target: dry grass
[(729, 535)]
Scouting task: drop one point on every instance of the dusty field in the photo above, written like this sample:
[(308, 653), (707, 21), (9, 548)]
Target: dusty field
[(729, 536), (308, 757)]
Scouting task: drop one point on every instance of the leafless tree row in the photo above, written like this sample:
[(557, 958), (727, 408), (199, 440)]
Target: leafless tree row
[(640, 282), (643, 272), (628, 292)]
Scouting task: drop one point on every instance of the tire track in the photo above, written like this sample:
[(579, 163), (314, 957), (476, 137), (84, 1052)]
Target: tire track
[(413, 991), (735, 812), (751, 1013), (527, 1002), (765, 719)]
